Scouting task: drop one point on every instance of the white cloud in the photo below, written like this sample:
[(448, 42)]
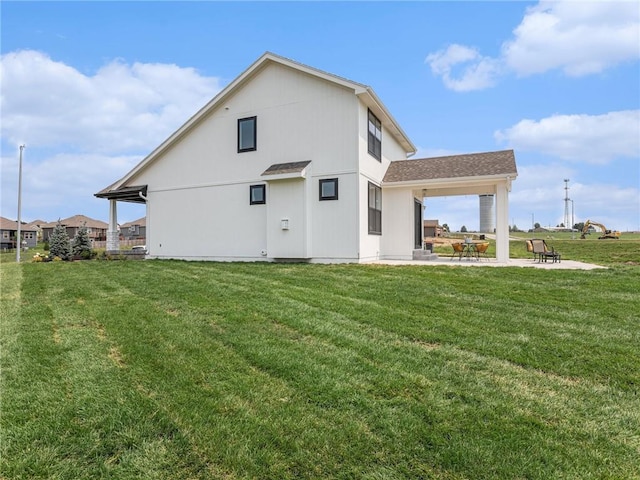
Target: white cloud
[(85, 131), (61, 185), (120, 108), (478, 72), (539, 190), (580, 38), (595, 139)]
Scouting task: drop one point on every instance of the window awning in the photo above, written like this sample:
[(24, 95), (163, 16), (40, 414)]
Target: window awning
[(133, 194), (282, 171)]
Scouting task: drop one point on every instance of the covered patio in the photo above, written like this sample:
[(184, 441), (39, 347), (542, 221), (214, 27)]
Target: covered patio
[(487, 173), (134, 194)]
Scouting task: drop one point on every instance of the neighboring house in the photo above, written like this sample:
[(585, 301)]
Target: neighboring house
[(136, 230), (432, 228), (37, 226), (292, 163), (9, 234), (96, 229)]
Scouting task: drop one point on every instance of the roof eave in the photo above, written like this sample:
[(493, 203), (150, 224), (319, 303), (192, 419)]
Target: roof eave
[(391, 123), (453, 181)]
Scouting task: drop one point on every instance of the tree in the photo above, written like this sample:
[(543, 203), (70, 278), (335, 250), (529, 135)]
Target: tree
[(463, 229), (445, 227), (82, 243), (579, 226), (59, 245), (536, 225)]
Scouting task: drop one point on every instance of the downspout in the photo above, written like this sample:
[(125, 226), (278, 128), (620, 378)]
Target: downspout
[(142, 196)]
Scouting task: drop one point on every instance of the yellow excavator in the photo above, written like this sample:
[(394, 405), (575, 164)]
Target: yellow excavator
[(615, 234)]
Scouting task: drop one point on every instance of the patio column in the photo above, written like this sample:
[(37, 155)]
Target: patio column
[(502, 223), (113, 240)]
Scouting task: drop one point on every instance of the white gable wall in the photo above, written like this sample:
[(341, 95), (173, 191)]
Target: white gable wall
[(198, 190)]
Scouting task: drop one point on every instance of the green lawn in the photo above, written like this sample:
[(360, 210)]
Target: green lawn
[(177, 370)]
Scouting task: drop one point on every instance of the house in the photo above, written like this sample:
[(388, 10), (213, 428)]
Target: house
[(96, 229), (9, 234), (432, 228), (37, 226), (135, 230), (289, 162)]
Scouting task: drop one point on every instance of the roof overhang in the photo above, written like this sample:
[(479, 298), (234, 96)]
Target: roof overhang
[(134, 194), (286, 171)]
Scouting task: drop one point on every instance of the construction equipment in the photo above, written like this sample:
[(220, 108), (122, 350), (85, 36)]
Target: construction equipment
[(615, 234)]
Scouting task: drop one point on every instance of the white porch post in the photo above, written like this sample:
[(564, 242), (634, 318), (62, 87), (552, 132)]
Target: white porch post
[(113, 241), (502, 223)]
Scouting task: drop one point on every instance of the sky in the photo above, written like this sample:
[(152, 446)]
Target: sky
[(91, 88)]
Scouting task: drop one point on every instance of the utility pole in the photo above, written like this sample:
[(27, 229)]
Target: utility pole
[(19, 232), (573, 220), (566, 203)]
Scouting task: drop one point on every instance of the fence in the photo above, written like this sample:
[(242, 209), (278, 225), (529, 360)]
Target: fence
[(123, 243)]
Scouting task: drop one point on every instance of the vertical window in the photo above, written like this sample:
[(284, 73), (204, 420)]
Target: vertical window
[(375, 209), (247, 134), (329, 189), (375, 136), (257, 195)]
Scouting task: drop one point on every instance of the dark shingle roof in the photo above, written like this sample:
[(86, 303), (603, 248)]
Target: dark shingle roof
[(282, 168), (455, 166)]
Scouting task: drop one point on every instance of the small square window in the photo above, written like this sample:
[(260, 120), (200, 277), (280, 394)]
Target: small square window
[(247, 130), (257, 195), (329, 189)]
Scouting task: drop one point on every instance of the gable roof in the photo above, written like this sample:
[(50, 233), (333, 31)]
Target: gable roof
[(364, 92), (142, 222), (6, 224), (78, 221), (470, 165)]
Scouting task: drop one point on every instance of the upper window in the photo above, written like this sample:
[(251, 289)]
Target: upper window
[(247, 134), (375, 209), (257, 195), (329, 189), (375, 136)]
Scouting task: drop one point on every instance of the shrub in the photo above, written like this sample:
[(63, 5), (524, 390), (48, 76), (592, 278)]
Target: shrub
[(59, 245), (82, 244)]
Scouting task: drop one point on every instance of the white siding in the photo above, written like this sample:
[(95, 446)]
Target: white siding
[(199, 189), (397, 224), (373, 247)]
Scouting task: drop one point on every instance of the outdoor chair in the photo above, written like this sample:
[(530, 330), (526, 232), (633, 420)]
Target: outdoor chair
[(543, 252), (481, 250), (458, 250), (529, 244)]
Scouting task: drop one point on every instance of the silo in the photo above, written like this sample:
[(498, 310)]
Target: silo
[(486, 213)]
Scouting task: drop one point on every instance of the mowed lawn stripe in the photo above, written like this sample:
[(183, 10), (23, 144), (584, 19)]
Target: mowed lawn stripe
[(309, 371)]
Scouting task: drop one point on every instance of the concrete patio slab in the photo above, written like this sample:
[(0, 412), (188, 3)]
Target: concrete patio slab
[(492, 262)]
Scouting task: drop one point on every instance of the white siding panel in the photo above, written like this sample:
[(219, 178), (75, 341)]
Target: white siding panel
[(335, 222), (287, 203), (397, 224), (214, 222)]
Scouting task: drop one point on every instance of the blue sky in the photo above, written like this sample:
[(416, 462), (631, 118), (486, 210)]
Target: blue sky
[(93, 87)]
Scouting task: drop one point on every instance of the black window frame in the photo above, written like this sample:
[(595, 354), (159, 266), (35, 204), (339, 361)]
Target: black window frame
[(262, 187), (328, 197), (375, 214), (374, 144), (254, 146)]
